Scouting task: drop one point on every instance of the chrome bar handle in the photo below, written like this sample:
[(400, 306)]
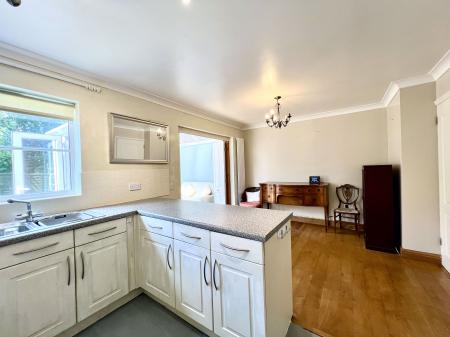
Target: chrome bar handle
[(68, 271), (36, 249), (190, 236), (103, 231), (167, 256), (155, 227), (214, 275), (82, 265), (236, 249), (204, 271)]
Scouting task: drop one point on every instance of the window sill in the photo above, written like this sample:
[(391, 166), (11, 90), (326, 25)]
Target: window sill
[(40, 197)]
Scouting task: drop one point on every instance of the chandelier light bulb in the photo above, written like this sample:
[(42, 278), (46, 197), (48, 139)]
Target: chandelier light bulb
[(161, 134)]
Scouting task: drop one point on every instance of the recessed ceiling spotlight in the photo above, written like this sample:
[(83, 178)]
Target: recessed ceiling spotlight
[(186, 2)]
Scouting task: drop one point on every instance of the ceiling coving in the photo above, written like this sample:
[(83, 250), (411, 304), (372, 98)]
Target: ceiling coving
[(229, 53)]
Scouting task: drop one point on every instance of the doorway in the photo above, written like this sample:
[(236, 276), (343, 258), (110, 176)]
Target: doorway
[(443, 112), (204, 168)]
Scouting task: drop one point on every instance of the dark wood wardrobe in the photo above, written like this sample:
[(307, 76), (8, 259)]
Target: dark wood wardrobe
[(381, 201)]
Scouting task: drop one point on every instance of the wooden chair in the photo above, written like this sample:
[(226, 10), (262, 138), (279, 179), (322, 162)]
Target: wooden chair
[(348, 196)]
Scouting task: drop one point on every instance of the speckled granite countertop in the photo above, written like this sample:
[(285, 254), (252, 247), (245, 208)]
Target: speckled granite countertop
[(251, 223)]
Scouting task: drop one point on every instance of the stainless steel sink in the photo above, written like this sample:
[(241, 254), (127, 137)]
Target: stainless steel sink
[(15, 228), (20, 227), (66, 218)]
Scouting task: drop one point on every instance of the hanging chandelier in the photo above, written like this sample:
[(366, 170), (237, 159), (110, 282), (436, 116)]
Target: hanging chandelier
[(273, 119)]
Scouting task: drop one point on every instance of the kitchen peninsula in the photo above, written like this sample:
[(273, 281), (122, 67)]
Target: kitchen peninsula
[(224, 269)]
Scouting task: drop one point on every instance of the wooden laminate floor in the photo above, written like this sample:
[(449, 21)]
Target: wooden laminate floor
[(342, 289)]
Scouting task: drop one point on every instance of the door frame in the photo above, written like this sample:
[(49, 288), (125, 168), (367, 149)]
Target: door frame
[(226, 145), (227, 155), (443, 114)]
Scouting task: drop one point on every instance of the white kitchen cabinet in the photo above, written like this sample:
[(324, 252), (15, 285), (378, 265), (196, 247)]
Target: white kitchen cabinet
[(193, 283), (37, 298), (102, 273), (238, 297), (156, 266)]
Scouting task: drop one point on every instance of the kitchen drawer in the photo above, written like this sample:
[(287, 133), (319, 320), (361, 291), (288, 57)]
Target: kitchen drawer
[(196, 236), (242, 248), (157, 226), (100, 231), (33, 249)]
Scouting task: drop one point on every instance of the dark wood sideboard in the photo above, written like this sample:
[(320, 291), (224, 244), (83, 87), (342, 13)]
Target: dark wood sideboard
[(296, 194)]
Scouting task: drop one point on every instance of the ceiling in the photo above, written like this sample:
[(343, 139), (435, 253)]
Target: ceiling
[(229, 58)]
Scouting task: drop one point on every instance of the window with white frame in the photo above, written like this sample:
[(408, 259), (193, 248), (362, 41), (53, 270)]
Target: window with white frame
[(39, 146)]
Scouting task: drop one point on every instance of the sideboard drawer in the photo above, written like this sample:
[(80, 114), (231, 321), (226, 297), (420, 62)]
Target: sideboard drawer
[(102, 230), (289, 190), (268, 193), (242, 248), (33, 249), (268, 198), (313, 200), (313, 190), (290, 200), (158, 226)]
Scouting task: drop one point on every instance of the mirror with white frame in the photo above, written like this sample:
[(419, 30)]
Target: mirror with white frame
[(134, 140)]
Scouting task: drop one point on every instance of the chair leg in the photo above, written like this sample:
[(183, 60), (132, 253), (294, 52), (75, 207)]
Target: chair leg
[(359, 222), (334, 222), (356, 224)]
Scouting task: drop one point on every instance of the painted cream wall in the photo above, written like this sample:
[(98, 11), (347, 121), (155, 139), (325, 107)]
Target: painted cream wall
[(443, 84), (105, 183), (394, 132), (419, 172), (334, 148)]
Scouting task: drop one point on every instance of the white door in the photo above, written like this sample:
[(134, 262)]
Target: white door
[(443, 110), (37, 298), (156, 266), (102, 273), (193, 283), (238, 297)]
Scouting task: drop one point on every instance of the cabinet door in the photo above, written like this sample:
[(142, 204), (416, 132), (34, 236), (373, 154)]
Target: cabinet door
[(193, 282), (102, 274), (156, 266), (37, 298), (238, 297)]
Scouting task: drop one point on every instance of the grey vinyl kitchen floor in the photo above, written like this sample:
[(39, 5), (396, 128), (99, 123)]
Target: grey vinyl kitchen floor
[(143, 317)]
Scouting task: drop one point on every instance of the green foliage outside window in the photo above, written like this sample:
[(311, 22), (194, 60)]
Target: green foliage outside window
[(36, 161)]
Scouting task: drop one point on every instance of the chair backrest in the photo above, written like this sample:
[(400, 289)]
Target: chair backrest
[(249, 189), (348, 195)]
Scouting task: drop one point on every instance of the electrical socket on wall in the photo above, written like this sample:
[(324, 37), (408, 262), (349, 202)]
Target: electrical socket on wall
[(135, 187), (283, 231)]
